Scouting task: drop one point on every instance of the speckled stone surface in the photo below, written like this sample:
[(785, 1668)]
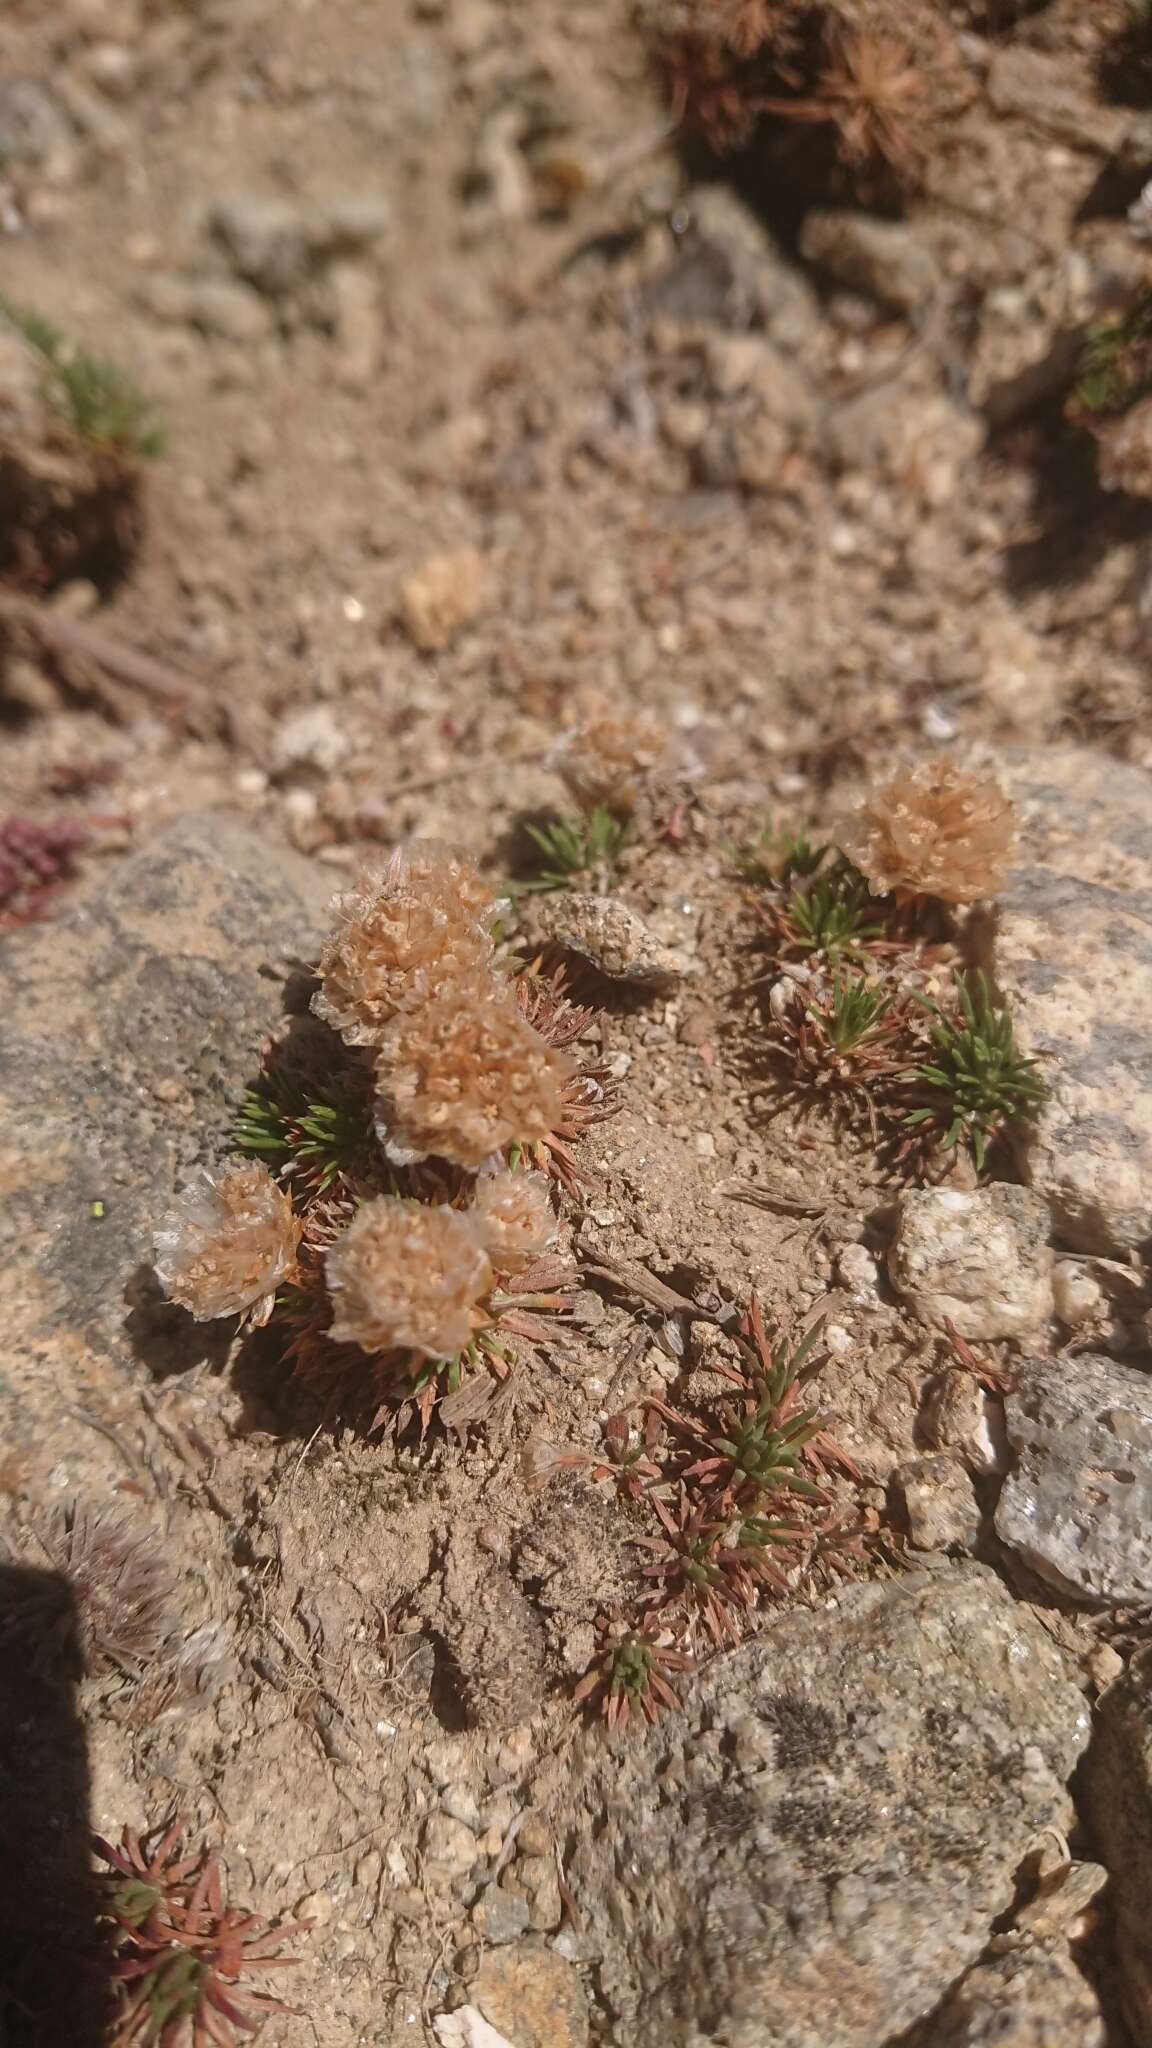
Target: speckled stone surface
[(129, 1026), (1077, 1503), (1073, 955), (811, 1853)]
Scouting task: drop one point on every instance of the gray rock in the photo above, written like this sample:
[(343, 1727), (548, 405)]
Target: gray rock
[(1118, 1789), (1073, 956), (924, 444), (1077, 1505), (450, 1847), (130, 1025), (280, 245), (979, 1259), (810, 1854), (215, 305), (500, 1916), (727, 272), (940, 1504), (1030, 1997), (35, 129), (884, 258)]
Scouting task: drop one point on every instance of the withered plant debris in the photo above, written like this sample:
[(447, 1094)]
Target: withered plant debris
[(880, 88), (108, 1598)]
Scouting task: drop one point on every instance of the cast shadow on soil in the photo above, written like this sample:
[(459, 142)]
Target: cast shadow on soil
[(165, 1339), (1077, 522), (53, 1966)]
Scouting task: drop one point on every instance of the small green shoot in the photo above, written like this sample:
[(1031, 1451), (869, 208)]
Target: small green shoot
[(986, 1083), (100, 401), (321, 1140), (767, 1452), (773, 858), (1115, 367), (578, 848), (854, 1014), (629, 1677), (828, 914)]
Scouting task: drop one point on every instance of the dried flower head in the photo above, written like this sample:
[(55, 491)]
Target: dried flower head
[(229, 1243), (405, 928), (405, 1277), (463, 1075), (115, 1602), (515, 1214), (608, 758), (935, 830)]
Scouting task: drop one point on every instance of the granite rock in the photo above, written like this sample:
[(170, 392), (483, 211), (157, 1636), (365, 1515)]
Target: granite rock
[(813, 1852), (977, 1259), (1077, 1505), (1072, 953)]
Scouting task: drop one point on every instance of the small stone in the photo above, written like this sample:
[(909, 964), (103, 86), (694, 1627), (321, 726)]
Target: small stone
[(318, 1907), (447, 594), (1077, 1505), (980, 1260), (856, 1271), (705, 1145), (614, 940), (1077, 1293), (459, 1803), (500, 1916), (535, 1836), (450, 1847), (884, 258), (533, 1996), (310, 739), (942, 1510), (467, 2028)]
